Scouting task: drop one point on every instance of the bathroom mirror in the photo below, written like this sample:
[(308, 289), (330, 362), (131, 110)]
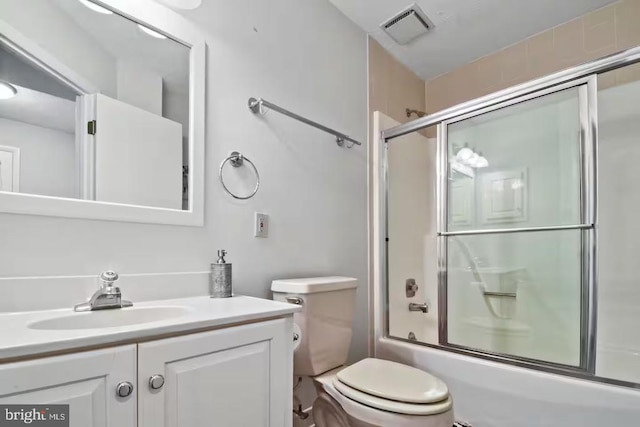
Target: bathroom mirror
[(101, 111)]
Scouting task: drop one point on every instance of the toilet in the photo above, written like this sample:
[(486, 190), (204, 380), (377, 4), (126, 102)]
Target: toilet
[(369, 393)]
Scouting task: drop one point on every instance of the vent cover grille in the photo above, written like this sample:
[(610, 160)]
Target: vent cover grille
[(401, 17), (407, 25)]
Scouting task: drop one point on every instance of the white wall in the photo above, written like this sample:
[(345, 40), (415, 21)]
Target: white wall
[(175, 106), (139, 87), (314, 192), (47, 158)]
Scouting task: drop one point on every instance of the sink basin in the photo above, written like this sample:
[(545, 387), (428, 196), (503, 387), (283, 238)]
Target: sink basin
[(110, 318)]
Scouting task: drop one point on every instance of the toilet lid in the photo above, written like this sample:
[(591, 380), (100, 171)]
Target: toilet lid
[(393, 381), (391, 405)]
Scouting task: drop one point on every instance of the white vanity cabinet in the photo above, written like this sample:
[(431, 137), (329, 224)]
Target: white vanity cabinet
[(233, 377), (86, 381), (236, 376)]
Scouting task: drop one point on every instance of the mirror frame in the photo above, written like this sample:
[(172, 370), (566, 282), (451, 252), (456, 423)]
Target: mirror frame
[(163, 20)]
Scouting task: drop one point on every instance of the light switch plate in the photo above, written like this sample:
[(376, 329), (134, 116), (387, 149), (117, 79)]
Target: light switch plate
[(261, 225)]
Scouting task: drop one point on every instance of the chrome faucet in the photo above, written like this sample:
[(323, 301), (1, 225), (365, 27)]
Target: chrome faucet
[(419, 307), (107, 297)]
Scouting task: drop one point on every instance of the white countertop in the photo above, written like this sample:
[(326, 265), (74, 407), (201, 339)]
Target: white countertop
[(17, 339)]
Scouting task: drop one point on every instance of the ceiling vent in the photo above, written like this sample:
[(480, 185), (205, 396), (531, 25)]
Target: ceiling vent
[(407, 25)]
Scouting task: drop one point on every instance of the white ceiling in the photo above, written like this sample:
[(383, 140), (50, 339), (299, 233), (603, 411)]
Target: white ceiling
[(40, 109), (123, 40), (465, 30)]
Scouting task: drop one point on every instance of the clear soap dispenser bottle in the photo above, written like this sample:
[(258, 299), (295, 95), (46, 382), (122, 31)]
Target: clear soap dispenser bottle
[(220, 278)]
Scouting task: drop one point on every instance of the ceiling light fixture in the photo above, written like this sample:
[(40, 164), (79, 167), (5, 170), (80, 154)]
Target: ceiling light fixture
[(465, 153), (96, 8), (7, 90), (482, 162), (517, 184), (469, 157), (151, 32), (473, 160)]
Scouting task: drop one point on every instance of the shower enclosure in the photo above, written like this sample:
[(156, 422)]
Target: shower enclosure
[(523, 253)]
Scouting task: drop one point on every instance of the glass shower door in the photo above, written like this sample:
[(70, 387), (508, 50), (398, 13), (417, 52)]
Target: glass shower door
[(512, 228)]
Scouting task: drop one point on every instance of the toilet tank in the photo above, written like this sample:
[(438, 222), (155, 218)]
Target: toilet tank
[(328, 305)]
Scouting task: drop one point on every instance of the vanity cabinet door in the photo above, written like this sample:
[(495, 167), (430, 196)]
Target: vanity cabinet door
[(234, 377), (86, 381)]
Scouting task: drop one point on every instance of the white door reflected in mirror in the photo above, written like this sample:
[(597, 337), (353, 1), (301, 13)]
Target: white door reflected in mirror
[(138, 156), (9, 169)]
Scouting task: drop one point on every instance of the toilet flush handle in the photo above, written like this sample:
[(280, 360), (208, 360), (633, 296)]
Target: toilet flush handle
[(294, 300)]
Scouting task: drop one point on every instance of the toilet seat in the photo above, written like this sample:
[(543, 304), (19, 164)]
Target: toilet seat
[(361, 414), (392, 405), (393, 381)]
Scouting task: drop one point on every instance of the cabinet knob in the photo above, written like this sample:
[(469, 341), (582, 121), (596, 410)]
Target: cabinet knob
[(156, 382), (124, 389)]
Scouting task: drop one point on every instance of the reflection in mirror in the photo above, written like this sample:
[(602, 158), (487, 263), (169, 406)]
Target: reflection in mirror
[(115, 129), (37, 124), (517, 166)]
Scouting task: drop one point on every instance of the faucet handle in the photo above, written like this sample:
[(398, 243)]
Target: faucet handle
[(108, 278)]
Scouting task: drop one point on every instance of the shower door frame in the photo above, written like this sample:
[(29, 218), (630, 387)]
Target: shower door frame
[(587, 91), (583, 76)]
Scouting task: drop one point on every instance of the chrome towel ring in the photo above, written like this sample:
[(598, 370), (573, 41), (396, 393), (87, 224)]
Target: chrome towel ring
[(236, 159)]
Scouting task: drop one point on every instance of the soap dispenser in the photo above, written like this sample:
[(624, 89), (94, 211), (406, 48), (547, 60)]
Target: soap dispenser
[(220, 278)]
